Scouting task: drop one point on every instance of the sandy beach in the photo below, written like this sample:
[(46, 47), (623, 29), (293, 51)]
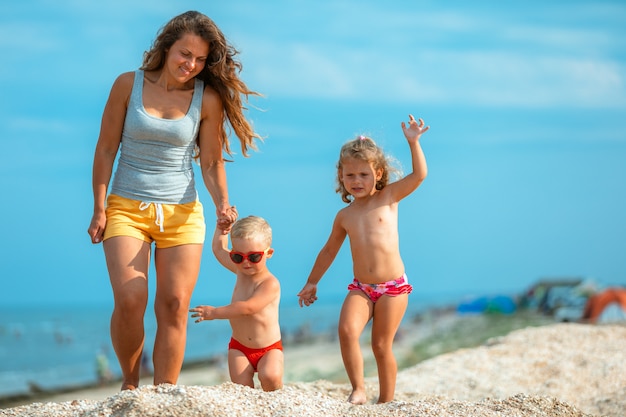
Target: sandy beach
[(550, 370)]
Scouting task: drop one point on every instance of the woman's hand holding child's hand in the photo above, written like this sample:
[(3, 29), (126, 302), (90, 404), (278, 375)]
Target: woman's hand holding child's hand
[(226, 219)]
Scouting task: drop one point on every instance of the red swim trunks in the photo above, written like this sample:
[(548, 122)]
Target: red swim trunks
[(254, 355), (375, 291)]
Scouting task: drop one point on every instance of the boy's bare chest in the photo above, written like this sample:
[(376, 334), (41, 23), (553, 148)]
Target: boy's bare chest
[(243, 291)]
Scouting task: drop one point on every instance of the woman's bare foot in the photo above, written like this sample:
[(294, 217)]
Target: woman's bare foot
[(128, 386), (357, 397)]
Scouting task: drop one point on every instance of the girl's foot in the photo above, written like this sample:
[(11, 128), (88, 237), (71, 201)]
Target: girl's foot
[(357, 397)]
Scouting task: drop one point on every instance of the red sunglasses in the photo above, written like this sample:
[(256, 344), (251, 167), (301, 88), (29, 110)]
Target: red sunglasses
[(253, 257)]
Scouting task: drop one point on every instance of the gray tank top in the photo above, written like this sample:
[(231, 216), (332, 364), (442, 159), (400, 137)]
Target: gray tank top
[(156, 155)]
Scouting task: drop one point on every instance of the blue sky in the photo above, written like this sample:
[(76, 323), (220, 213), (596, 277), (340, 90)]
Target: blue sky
[(526, 152)]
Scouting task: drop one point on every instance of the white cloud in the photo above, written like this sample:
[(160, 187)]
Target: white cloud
[(458, 57), (358, 51), (490, 78)]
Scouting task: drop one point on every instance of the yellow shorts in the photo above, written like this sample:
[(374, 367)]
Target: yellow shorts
[(165, 224)]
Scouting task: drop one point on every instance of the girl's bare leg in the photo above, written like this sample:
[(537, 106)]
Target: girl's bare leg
[(127, 261), (355, 313), (177, 271), (239, 367), (388, 313)]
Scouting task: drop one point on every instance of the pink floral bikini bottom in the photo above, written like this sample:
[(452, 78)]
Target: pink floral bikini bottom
[(390, 288)]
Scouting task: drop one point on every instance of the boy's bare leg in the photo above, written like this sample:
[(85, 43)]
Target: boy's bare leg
[(270, 369), (355, 313), (127, 262), (239, 368), (388, 313)]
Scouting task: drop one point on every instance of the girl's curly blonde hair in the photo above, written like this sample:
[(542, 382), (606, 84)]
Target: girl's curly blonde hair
[(221, 71), (365, 149)]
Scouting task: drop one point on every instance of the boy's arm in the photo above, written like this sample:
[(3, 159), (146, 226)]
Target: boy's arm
[(408, 184), (220, 249), (325, 258), (263, 295)]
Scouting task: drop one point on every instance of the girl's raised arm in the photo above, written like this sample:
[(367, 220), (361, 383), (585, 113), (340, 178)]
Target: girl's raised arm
[(408, 184)]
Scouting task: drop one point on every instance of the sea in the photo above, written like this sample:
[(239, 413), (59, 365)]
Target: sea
[(57, 347)]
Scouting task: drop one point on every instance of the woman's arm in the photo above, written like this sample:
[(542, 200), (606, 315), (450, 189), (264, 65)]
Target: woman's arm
[(211, 157), (106, 150)]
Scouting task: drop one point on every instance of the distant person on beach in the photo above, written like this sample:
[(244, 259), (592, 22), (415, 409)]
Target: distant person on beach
[(256, 344), (380, 289), (177, 108), (146, 366), (103, 371)]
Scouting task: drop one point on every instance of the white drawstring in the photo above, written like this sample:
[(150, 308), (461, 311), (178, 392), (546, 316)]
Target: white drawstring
[(159, 212)]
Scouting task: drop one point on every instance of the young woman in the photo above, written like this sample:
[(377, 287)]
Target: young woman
[(160, 118)]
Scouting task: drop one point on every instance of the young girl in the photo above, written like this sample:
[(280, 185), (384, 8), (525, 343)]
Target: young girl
[(380, 288)]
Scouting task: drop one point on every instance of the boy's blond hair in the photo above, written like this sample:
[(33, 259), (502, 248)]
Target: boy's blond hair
[(252, 227)]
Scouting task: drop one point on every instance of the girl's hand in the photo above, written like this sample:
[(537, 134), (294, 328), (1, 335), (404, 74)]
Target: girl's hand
[(307, 295), (415, 129), (202, 313)]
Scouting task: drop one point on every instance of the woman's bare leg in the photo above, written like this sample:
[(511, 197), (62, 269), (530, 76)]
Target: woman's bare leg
[(388, 313), (177, 271), (127, 261), (355, 313)]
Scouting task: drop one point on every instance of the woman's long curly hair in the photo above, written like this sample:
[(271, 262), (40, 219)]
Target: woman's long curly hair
[(365, 149), (221, 71)]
